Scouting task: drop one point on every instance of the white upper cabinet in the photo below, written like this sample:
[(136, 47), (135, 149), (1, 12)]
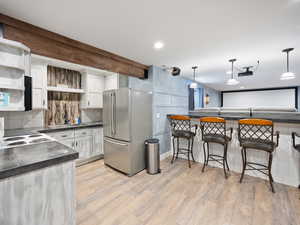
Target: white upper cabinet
[(115, 81), (14, 65), (111, 82), (93, 85), (39, 86)]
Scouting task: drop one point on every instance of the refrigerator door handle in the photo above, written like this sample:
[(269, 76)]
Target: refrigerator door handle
[(111, 115), (115, 114), (115, 142)]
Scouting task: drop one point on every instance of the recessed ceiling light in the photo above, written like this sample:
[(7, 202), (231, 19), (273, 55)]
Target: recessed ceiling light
[(158, 45), (242, 87)]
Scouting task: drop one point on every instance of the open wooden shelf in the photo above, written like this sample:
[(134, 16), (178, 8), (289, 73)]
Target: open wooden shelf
[(68, 90)]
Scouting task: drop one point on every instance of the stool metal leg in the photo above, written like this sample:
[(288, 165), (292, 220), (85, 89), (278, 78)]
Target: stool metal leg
[(244, 157), (270, 174), (189, 151), (226, 149), (224, 161), (174, 149), (207, 153), (204, 152), (192, 152), (177, 148)]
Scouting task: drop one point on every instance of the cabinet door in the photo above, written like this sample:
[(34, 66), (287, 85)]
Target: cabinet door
[(39, 100), (93, 101), (95, 83), (111, 82), (68, 142), (39, 76), (39, 86), (84, 146), (98, 141), (96, 100)]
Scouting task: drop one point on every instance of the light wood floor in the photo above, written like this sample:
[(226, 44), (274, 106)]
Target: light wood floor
[(181, 196)]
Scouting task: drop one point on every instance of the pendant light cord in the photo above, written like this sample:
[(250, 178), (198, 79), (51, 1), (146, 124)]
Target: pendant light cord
[(287, 62), (232, 70)]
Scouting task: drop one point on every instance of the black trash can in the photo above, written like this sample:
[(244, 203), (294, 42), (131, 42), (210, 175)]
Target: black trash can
[(152, 156)]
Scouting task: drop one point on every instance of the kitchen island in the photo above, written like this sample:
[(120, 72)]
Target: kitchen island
[(37, 184), (286, 161)]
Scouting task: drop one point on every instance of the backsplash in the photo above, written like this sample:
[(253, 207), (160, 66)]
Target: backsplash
[(91, 115), (14, 120)]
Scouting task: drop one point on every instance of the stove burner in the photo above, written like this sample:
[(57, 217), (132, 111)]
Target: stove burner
[(17, 143), (35, 135), (14, 139), (39, 140)]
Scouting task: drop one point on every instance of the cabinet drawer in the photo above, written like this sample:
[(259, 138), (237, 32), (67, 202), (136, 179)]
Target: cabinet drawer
[(62, 134), (83, 132)]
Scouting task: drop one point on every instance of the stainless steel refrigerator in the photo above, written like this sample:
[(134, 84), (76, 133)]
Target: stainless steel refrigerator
[(127, 123)]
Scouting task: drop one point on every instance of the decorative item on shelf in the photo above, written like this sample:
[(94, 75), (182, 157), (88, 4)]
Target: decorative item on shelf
[(206, 99), (287, 75), (232, 81), (194, 84), (63, 108), (4, 99)]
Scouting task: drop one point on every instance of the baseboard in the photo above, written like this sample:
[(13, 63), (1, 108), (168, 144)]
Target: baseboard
[(165, 155), (89, 160)]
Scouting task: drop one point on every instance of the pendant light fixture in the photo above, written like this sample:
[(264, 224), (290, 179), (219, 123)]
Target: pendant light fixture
[(287, 75), (194, 84), (232, 81)]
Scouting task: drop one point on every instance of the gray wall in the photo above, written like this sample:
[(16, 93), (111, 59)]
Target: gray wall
[(170, 96), (214, 97)]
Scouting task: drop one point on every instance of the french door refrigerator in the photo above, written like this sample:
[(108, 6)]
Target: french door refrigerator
[(127, 123)]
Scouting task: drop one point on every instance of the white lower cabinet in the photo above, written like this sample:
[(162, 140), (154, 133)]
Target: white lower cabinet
[(84, 146), (98, 141), (88, 142)]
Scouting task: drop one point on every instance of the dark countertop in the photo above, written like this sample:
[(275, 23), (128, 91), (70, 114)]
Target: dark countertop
[(234, 117), (68, 127), (19, 160), (18, 132)]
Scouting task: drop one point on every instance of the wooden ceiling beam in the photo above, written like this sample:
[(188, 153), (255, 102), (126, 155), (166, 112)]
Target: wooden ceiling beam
[(50, 44)]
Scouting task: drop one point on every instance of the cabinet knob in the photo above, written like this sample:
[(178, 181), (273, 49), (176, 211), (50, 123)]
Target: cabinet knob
[(44, 102), (88, 103)]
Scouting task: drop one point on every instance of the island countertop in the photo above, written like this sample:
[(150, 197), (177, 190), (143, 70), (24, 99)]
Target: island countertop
[(278, 118), (23, 159), (286, 159)]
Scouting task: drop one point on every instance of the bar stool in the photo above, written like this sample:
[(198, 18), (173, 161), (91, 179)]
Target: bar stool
[(257, 134), (296, 146), (182, 129), (213, 130)]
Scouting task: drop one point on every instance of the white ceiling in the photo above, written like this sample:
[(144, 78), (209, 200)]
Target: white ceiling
[(195, 32)]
